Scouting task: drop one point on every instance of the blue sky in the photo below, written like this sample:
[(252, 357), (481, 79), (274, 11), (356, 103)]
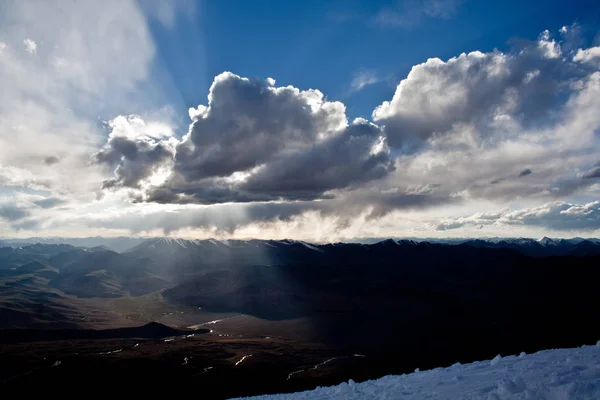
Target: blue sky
[(239, 119), (325, 44)]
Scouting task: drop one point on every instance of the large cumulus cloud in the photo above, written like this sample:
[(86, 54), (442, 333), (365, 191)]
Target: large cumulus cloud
[(253, 142), (478, 90), (499, 126), (247, 121)]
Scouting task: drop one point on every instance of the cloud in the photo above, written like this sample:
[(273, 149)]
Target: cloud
[(549, 47), (357, 155), (50, 103), (267, 121), (133, 152), (30, 46), (17, 177), (589, 56), (253, 142), (409, 14), (51, 160), (525, 172), (363, 79), (318, 220), (49, 202), (556, 216), (482, 90), (472, 122), (10, 212), (167, 11), (594, 172), (521, 174)]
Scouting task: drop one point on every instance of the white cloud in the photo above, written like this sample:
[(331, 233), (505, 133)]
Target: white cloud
[(30, 46), (133, 127), (167, 11), (49, 103), (549, 47), (362, 79), (590, 56), (556, 216), (137, 159), (486, 90)]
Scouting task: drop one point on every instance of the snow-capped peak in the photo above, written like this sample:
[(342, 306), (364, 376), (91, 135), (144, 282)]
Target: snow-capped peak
[(546, 241)]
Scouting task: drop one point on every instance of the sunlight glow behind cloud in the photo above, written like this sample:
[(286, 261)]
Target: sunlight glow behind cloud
[(481, 143)]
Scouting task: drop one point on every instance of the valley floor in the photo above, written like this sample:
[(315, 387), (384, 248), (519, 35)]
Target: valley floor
[(565, 374)]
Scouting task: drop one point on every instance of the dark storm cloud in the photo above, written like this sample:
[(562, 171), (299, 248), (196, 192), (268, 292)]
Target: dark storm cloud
[(342, 161), (248, 122), (356, 155), (257, 142)]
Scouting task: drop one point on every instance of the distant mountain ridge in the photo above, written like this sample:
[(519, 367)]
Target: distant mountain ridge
[(542, 247), (117, 244), (126, 244), (533, 247)]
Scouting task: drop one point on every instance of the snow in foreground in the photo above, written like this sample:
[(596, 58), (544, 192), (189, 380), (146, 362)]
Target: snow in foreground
[(548, 375)]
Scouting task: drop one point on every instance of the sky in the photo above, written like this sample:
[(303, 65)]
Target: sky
[(317, 120)]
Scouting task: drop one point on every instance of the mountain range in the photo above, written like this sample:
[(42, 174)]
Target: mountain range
[(124, 243), (402, 303), (283, 279)]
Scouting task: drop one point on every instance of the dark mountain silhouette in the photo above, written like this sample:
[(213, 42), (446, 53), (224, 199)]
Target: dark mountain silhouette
[(152, 330), (540, 248), (118, 244), (402, 303), (108, 274)]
